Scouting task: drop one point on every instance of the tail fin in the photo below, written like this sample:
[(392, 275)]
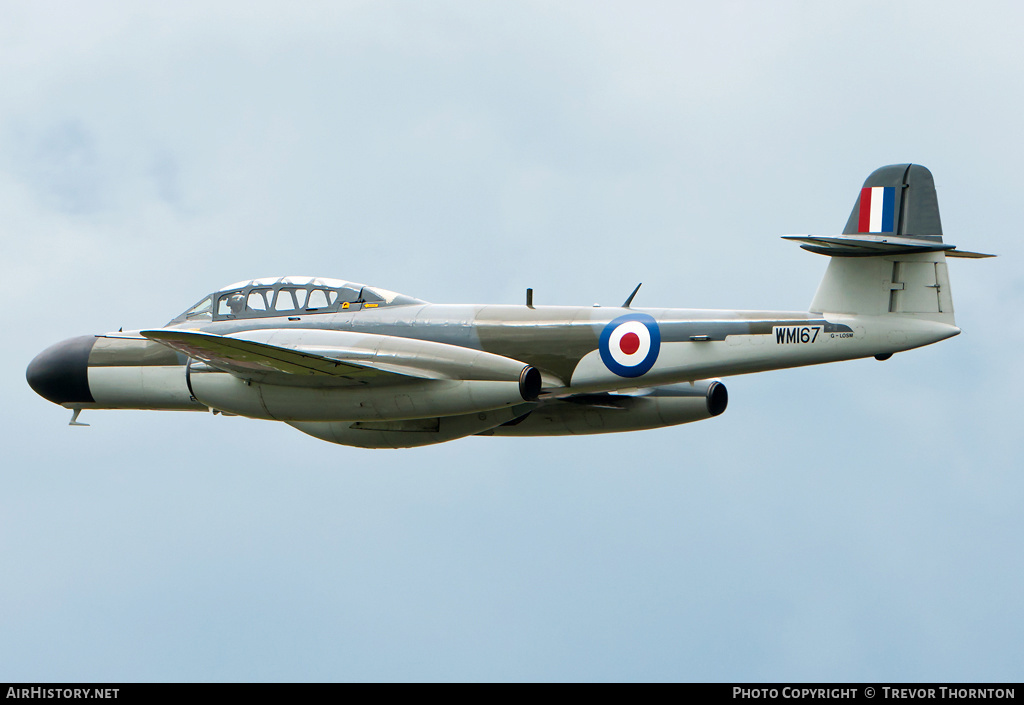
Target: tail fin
[(897, 200), (890, 257)]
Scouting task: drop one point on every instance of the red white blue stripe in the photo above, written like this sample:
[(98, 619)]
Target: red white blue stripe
[(877, 209)]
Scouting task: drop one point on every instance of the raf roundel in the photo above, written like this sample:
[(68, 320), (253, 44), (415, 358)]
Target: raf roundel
[(629, 345)]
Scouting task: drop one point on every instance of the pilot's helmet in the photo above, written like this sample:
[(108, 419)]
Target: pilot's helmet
[(236, 302)]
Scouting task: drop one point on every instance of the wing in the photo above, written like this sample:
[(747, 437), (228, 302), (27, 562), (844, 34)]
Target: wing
[(313, 357), (267, 363)]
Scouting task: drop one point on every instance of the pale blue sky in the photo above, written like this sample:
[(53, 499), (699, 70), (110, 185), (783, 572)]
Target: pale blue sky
[(858, 521)]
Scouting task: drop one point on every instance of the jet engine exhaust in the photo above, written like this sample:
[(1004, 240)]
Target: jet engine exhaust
[(717, 398), (529, 383)]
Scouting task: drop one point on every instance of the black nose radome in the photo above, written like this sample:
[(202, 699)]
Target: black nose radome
[(61, 372)]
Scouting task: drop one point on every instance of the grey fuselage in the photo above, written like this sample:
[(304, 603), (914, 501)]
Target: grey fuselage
[(593, 376), (363, 366)]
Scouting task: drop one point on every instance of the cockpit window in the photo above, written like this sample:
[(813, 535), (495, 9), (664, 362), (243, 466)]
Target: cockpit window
[(231, 303), (285, 300), (317, 299), (202, 311), (257, 300), (290, 296), (348, 295), (370, 296)]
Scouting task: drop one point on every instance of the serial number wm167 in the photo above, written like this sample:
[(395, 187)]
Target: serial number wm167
[(796, 334)]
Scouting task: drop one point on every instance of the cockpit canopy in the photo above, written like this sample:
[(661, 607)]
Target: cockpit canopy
[(290, 296)]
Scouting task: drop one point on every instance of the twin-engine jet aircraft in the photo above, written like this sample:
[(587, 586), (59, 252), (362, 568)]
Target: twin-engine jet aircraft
[(362, 366)]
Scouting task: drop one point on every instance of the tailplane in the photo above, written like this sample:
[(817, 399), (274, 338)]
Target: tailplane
[(891, 257)]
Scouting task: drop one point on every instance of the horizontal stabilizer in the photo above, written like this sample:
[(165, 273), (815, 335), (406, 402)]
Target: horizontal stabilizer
[(967, 255), (864, 245), (896, 213)]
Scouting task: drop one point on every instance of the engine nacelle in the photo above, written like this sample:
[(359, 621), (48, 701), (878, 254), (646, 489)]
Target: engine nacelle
[(608, 413), (415, 399)]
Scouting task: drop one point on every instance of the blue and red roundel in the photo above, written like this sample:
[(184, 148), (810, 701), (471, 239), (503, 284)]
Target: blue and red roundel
[(629, 345)]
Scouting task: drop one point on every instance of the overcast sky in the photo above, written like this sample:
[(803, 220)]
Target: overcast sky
[(856, 521)]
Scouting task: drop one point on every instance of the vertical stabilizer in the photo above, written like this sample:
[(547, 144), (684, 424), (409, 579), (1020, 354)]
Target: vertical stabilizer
[(897, 201)]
